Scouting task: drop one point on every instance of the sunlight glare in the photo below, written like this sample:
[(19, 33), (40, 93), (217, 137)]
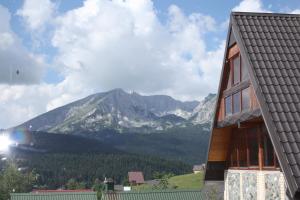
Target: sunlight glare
[(5, 142)]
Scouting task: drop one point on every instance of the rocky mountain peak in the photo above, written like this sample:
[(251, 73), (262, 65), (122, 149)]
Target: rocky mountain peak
[(120, 110)]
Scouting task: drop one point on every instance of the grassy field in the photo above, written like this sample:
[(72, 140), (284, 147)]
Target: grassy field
[(181, 182), (187, 181)]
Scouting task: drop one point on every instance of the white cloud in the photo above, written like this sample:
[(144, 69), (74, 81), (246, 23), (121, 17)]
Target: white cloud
[(19, 103), (17, 65), (250, 6), (120, 44), (297, 11), (36, 13), (109, 44)]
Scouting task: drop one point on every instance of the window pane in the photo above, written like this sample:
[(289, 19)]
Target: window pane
[(229, 79), (246, 99), (236, 102), (242, 148), (228, 110), (268, 148), (236, 70), (253, 146), (245, 74)]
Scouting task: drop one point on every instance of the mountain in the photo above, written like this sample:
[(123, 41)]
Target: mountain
[(124, 112), (203, 113)]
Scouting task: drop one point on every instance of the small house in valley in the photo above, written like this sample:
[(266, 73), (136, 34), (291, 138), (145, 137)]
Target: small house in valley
[(255, 140), (136, 178), (198, 168)]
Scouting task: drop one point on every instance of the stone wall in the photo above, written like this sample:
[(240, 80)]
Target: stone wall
[(254, 185)]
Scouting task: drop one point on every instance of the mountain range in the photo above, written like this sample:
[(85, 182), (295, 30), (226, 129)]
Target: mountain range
[(123, 112)]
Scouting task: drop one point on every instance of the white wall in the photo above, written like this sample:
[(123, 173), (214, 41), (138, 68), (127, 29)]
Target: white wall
[(254, 184)]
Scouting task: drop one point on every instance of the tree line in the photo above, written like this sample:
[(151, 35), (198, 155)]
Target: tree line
[(55, 170)]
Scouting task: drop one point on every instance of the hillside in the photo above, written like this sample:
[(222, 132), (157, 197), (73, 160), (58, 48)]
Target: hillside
[(180, 182), (187, 181), (188, 144), (54, 170)]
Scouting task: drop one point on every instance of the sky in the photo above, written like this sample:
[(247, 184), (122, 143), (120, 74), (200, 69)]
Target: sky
[(55, 52)]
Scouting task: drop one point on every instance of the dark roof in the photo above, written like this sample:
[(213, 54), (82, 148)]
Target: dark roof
[(156, 195), (270, 45), (136, 177), (55, 196)]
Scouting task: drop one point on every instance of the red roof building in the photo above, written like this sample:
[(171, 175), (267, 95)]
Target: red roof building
[(136, 178)]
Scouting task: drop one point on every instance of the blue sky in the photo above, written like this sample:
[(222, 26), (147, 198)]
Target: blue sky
[(68, 49)]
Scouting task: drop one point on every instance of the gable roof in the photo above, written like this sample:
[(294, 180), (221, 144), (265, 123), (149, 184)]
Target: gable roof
[(156, 195), (55, 196), (136, 177), (270, 46)]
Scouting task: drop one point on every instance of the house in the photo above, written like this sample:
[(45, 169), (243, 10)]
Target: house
[(136, 178), (55, 196), (198, 168), (156, 195), (254, 145)]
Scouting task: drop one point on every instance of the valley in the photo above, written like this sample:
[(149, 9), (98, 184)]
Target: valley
[(108, 134)]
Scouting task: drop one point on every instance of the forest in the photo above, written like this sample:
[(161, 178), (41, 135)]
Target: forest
[(54, 170)]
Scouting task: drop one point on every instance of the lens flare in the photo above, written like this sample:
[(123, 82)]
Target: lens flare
[(21, 136), (5, 142)]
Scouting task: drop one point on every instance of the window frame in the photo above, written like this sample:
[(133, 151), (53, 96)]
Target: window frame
[(225, 106), (232, 67), (233, 102), (240, 92), (260, 137), (242, 102)]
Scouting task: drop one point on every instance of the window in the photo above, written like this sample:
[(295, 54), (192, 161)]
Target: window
[(253, 146), (245, 99), (228, 110), (236, 102), (229, 80), (236, 70), (268, 151), (245, 148), (244, 72)]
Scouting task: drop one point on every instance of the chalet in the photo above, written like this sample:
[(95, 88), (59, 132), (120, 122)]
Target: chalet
[(136, 178), (255, 140)]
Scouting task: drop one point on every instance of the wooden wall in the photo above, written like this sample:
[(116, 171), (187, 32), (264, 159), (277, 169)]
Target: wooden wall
[(253, 100), (220, 142)]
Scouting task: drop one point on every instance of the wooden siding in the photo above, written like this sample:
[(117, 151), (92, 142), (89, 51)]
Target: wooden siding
[(219, 144), (233, 51), (253, 100), (221, 112)]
